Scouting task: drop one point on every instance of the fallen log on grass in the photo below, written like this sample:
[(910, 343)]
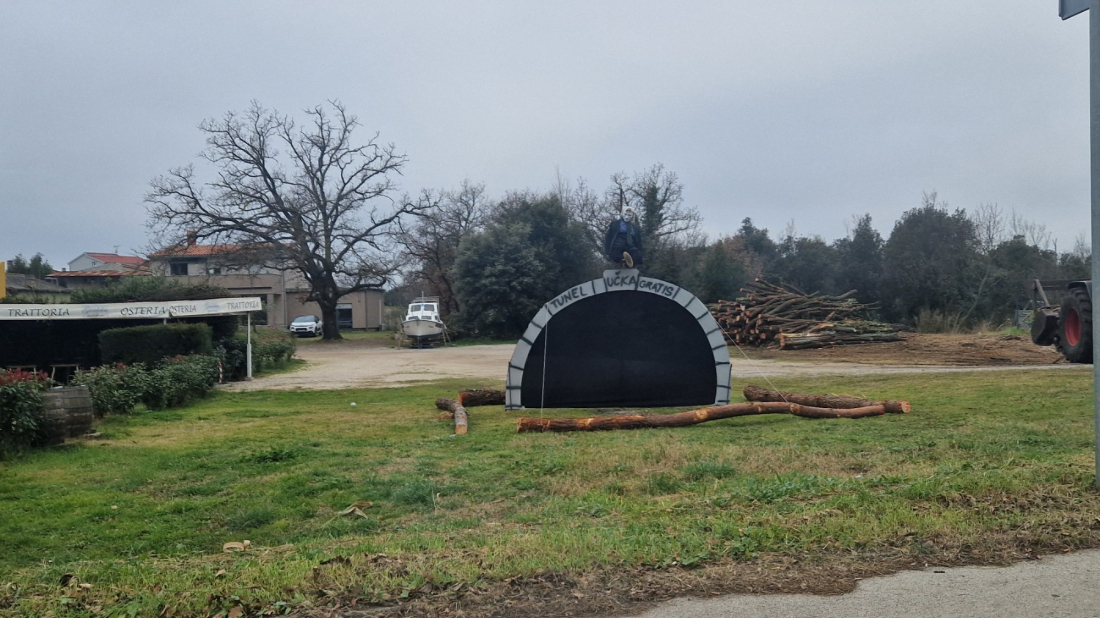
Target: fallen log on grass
[(481, 397), (456, 410), (693, 417), (755, 393)]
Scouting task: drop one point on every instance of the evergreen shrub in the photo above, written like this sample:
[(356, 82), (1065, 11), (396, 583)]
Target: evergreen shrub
[(20, 409), (150, 344)]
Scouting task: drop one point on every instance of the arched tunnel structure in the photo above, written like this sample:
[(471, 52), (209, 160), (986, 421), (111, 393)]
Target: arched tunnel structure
[(620, 341)]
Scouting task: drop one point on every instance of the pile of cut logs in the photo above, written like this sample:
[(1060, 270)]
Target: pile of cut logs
[(779, 315)]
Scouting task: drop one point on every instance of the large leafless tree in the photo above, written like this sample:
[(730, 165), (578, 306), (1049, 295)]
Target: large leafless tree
[(656, 195), (431, 242), (309, 196)]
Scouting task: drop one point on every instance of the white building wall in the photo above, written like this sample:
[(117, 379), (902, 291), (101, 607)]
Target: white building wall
[(85, 262)]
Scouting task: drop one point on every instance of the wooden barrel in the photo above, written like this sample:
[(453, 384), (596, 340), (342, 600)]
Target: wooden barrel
[(51, 427), (72, 404)]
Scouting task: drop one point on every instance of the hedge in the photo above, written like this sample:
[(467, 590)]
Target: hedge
[(146, 289), (173, 382), (270, 348), (150, 344), (20, 409), (115, 389)]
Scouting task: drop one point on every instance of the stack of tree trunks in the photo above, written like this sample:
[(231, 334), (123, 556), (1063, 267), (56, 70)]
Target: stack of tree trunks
[(782, 316)]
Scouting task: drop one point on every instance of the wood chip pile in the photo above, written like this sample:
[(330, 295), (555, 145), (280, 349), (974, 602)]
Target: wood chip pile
[(782, 316)]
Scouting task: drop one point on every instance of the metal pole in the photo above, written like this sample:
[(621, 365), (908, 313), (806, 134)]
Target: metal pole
[(1094, 122), (248, 344)]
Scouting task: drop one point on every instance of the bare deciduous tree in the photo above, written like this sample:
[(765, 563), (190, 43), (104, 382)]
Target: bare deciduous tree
[(308, 195), (989, 225), (431, 242), (1035, 233), (656, 195)]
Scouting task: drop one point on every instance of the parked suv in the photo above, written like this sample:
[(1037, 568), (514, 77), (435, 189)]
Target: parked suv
[(306, 325)]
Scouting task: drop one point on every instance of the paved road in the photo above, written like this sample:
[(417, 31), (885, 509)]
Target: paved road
[(1065, 586)]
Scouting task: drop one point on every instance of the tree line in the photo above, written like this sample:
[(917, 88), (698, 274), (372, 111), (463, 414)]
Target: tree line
[(493, 263), (322, 203)]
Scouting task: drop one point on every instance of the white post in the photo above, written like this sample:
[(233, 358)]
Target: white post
[(1067, 9), (248, 349), (1094, 121)]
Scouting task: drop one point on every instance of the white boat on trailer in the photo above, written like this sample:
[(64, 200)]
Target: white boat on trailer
[(422, 324)]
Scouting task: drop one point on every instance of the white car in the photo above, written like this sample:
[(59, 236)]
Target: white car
[(306, 325)]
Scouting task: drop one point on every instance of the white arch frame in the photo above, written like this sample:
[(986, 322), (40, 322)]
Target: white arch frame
[(617, 281)]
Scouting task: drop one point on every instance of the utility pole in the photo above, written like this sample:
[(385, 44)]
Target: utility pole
[(1067, 9)]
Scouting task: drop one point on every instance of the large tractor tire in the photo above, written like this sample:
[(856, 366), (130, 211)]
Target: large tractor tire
[(1075, 326)]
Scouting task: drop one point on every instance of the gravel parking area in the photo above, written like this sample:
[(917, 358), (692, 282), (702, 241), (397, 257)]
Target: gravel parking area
[(376, 363)]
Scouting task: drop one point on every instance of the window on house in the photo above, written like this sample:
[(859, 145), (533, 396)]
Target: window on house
[(213, 270), (177, 268)]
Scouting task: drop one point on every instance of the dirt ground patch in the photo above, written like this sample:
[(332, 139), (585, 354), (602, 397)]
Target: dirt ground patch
[(989, 350), (630, 591), (377, 362)]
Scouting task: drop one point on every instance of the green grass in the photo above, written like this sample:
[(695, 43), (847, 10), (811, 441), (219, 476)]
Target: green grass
[(380, 337), (289, 366), (987, 461)]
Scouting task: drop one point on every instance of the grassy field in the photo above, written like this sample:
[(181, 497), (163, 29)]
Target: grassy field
[(989, 466)]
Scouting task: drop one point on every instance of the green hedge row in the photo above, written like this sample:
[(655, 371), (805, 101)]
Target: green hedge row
[(150, 344), (270, 348), (175, 382)]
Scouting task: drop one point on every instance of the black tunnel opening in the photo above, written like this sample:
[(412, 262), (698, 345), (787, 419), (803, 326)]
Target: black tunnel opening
[(621, 349)]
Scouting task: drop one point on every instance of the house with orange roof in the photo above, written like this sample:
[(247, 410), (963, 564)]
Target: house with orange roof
[(105, 261), (98, 269), (252, 271)]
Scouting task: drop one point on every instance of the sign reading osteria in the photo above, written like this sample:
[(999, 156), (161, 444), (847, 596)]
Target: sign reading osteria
[(122, 311)]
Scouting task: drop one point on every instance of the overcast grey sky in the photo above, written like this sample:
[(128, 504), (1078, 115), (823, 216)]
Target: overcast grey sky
[(809, 111)]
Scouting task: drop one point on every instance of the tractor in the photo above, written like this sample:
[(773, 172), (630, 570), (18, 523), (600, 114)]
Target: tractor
[(1067, 325)]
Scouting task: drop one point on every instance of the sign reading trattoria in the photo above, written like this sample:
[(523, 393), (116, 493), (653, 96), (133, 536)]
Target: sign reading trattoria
[(117, 311)]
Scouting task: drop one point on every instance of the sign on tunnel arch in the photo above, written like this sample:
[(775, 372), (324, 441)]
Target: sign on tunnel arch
[(620, 341)]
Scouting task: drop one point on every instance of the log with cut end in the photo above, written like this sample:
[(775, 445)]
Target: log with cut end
[(685, 419), (456, 409), (755, 393), (481, 397)]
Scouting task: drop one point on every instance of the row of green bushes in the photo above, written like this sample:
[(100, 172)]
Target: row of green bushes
[(160, 382), (150, 344), (117, 389), (270, 348)]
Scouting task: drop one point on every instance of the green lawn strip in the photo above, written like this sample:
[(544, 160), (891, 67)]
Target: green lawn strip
[(289, 366), (986, 459), (379, 337)]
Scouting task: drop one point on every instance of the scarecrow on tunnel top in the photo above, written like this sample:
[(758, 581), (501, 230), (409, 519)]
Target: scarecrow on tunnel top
[(623, 241)]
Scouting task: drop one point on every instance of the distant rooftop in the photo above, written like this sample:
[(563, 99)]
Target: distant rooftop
[(100, 273), (197, 250), (25, 283), (114, 258)]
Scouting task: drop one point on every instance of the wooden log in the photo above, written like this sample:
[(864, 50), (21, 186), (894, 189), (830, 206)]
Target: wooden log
[(481, 397), (685, 419), (456, 409), (755, 393), (802, 341)]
